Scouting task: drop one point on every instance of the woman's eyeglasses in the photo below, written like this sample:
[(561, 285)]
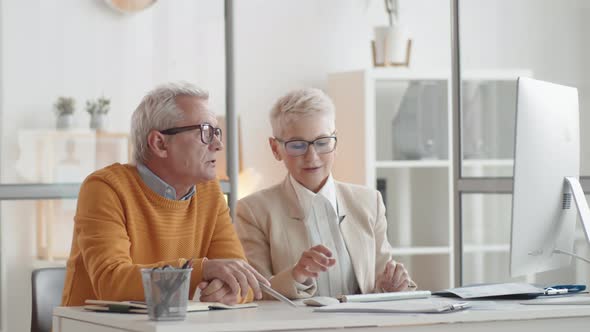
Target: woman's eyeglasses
[(208, 132), (322, 145)]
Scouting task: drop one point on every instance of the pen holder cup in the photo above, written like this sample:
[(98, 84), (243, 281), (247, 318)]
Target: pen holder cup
[(166, 292)]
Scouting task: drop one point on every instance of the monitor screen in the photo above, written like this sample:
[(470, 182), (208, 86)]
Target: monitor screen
[(547, 149)]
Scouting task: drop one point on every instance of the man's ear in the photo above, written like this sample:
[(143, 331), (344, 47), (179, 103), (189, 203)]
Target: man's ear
[(157, 144), (274, 146)]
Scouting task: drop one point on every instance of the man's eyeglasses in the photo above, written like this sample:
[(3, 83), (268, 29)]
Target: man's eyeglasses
[(298, 147), (208, 132)]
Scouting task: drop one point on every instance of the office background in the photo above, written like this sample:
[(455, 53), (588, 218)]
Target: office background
[(85, 50)]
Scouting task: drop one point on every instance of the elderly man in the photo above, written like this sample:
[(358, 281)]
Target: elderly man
[(166, 208)]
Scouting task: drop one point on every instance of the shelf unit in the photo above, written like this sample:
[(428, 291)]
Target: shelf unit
[(63, 156), (412, 164), (394, 134)]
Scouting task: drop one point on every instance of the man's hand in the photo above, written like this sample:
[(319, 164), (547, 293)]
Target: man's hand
[(235, 274), (314, 260), (395, 278), (217, 291)]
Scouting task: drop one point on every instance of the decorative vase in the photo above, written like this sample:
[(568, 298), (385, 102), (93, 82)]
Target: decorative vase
[(64, 121), (98, 121)]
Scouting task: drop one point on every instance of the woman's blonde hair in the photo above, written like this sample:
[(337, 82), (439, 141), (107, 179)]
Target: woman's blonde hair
[(299, 103)]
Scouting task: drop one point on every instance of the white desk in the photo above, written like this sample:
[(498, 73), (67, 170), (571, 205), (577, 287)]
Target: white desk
[(508, 316)]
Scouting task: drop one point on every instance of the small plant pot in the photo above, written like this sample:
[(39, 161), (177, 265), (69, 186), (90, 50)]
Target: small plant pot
[(64, 121), (391, 46), (98, 121)]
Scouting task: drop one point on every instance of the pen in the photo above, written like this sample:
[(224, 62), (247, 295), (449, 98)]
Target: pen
[(460, 306), (188, 264), (276, 295), (570, 288), (555, 291)]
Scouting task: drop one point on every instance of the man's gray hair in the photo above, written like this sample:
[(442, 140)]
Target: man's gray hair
[(158, 111), (299, 103)]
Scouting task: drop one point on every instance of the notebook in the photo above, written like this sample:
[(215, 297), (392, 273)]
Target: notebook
[(427, 306), (116, 306), (137, 307)]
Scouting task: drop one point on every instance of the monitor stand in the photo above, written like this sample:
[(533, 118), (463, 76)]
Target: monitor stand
[(576, 190)]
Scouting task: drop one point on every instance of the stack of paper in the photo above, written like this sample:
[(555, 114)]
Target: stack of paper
[(392, 296), (408, 306), (565, 300)]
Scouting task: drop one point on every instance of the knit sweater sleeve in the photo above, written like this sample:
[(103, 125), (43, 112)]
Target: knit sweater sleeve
[(225, 242), (104, 243)]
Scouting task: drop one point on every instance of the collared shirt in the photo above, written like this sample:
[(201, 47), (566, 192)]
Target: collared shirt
[(159, 186), (322, 222)]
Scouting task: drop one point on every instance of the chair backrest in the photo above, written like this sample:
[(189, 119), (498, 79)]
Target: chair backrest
[(48, 284)]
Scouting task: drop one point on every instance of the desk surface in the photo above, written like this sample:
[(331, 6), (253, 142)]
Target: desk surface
[(275, 316)]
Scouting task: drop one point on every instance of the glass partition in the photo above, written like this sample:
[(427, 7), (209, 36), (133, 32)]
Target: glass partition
[(500, 41), (486, 244)]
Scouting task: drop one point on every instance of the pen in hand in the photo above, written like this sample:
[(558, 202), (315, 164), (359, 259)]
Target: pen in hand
[(268, 290)]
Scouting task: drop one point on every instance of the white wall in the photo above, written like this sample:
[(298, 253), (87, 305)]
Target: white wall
[(549, 37), (84, 49), (285, 44)]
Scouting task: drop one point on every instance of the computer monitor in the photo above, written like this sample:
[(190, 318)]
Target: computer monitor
[(546, 172)]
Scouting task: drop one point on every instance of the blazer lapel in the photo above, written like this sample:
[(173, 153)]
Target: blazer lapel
[(353, 238), (294, 209)]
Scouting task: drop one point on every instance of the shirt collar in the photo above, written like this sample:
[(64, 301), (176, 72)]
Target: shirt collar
[(159, 186), (306, 196)]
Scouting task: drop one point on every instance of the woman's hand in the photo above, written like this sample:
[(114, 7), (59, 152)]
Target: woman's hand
[(314, 260), (395, 278)]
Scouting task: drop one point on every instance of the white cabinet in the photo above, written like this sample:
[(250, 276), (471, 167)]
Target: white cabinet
[(394, 134)]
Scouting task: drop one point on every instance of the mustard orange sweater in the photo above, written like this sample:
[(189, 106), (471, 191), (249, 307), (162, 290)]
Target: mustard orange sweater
[(121, 226)]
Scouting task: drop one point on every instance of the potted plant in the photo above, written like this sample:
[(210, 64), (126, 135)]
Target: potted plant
[(98, 110), (64, 108), (391, 41)]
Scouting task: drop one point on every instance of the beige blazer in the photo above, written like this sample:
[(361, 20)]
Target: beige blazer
[(271, 228)]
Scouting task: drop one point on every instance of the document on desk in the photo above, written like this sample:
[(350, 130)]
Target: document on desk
[(427, 306), (136, 307), (508, 290), (563, 300), (393, 296)]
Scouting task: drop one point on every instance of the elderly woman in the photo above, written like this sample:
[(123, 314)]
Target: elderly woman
[(310, 234)]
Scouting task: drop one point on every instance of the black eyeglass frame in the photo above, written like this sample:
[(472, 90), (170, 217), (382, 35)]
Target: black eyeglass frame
[(284, 143), (215, 131)]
